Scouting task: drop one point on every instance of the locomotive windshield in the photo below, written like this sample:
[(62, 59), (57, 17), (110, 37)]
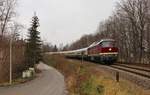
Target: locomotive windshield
[(107, 44)]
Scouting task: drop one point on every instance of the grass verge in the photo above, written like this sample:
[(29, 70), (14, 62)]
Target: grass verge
[(85, 79), (17, 81)]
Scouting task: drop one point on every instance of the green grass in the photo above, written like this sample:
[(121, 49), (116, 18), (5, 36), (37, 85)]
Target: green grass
[(91, 87)]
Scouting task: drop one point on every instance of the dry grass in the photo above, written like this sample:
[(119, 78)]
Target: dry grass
[(86, 80)]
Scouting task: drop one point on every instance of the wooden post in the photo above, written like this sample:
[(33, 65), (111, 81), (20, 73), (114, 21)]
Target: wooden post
[(117, 76)]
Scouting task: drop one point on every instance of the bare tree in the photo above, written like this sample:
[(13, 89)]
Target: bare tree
[(6, 14)]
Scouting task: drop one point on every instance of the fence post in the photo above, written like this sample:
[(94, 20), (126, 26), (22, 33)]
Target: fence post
[(117, 76)]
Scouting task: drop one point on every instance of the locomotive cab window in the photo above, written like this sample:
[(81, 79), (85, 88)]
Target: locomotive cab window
[(107, 44)]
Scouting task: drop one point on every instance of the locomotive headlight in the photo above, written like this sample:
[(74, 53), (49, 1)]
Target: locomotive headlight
[(110, 49)]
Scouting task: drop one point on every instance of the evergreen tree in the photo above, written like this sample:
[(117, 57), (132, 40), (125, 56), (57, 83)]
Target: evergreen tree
[(33, 45), (55, 49)]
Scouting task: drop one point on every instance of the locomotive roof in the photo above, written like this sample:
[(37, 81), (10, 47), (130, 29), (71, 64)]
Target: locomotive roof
[(106, 40), (103, 40), (74, 51)]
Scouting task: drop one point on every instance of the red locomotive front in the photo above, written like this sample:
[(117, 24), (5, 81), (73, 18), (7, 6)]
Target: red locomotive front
[(104, 51)]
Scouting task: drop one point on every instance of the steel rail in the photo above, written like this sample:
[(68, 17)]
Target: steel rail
[(134, 72)]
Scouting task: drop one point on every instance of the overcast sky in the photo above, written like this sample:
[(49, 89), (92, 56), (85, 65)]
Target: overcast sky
[(64, 21)]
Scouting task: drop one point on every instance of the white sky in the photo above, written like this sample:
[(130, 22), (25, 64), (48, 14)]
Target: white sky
[(64, 21)]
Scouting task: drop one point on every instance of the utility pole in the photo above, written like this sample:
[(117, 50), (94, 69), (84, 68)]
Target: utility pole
[(82, 54), (10, 66)]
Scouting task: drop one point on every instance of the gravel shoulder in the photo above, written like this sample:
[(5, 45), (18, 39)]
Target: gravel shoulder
[(49, 82)]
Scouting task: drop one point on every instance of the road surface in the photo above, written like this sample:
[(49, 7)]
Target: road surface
[(49, 82)]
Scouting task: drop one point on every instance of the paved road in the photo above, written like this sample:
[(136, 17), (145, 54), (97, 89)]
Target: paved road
[(49, 82)]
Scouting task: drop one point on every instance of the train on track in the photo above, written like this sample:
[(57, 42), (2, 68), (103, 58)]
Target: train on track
[(105, 52)]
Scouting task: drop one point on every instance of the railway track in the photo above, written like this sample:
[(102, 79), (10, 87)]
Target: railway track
[(134, 67), (144, 72), (135, 74)]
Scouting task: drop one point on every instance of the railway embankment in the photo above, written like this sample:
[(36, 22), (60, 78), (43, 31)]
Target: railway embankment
[(89, 79), (138, 77)]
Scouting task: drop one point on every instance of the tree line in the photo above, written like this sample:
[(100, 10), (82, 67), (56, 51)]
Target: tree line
[(129, 25), (9, 30), (25, 52)]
